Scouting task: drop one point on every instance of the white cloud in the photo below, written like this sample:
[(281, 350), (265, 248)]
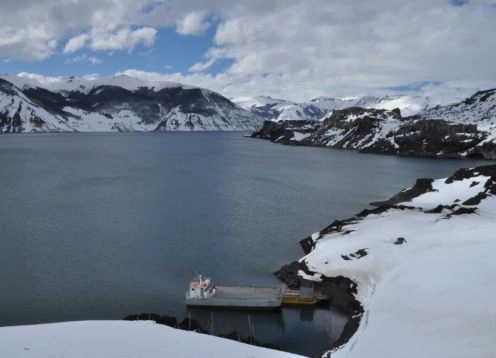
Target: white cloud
[(298, 88), (212, 56), (46, 80), (33, 43), (300, 49), (192, 24), (76, 43), (94, 60), (84, 58), (124, 38), (291, 49), (109, 38)]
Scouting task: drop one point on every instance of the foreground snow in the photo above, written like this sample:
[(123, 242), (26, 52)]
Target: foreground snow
[(112, 339), (432, 296)]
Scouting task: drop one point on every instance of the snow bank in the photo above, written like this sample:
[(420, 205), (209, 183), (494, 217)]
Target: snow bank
[(112, 339), (297, 136), (431, 295)]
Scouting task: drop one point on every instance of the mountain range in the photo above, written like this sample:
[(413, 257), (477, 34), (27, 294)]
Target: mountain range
[(318, 108), (466, 129), (394, 124), (118, 103)]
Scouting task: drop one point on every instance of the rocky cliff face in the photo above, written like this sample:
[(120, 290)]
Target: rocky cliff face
[(116, 104), (469, 133)]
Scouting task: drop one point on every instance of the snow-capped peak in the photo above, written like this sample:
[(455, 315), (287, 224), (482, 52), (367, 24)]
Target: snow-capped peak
[(84, 84), (30, 103)]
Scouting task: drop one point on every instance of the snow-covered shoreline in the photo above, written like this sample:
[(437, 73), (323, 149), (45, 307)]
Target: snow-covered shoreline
[(112, 339), (423, 268)]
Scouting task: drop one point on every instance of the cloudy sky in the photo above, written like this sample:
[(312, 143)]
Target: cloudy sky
[(284, 48)]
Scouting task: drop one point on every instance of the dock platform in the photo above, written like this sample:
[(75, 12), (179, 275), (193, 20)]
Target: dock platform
[(240, 297), (202, 292)]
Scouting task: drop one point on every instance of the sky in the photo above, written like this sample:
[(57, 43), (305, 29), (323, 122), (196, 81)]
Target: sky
[(287, 49)]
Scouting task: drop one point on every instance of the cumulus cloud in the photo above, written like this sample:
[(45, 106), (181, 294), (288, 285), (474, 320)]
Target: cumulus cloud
[(84, 58), (110, 39), (33, 43), (291, 49), (124, 38), (192, 24), (76, 43), (30, 29)]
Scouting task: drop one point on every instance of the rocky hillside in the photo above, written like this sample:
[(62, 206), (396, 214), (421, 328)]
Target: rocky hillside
[(118, 103), (273, 109), (478, 109), (468, 132), (413, 270)]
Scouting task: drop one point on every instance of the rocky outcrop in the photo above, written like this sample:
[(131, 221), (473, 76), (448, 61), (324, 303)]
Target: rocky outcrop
[(284, 132), (387, 132)]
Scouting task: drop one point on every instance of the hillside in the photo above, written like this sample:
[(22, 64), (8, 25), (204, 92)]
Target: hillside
[(460, 130), (421, 269), (118, 103)]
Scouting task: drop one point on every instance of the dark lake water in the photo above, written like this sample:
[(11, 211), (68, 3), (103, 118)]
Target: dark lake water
[(99, 226)]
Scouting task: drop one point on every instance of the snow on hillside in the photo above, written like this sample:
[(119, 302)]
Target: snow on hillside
[(426, 282), (118, 339), (407, 104), (479, 109), (15, 106), (387, 132), (260, 101), (30, 103), (320, 107)]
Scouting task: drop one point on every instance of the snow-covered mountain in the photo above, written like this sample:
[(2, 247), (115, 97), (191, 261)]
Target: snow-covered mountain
[(318, 108), (460, 130), (478, 109), (273, 109), (421, 270), (118, 103), (408, 105)]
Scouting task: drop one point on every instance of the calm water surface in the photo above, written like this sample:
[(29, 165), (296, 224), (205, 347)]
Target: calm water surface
[(99, 226)]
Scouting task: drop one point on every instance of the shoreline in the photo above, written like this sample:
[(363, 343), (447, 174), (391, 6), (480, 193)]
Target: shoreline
[(343, 291), (378, 131)]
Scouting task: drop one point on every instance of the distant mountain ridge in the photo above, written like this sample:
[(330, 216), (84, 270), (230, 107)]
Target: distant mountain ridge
[(117, 103), (318, 108), (478, 109), (459, 130)]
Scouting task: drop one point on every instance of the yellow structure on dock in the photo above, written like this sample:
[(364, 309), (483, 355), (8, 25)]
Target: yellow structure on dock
[(297, 301), (304, 296)]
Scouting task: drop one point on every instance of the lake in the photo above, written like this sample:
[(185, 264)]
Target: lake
[(103, 225)]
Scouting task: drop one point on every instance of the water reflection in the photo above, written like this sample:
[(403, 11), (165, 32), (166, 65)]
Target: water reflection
[(302, 330)]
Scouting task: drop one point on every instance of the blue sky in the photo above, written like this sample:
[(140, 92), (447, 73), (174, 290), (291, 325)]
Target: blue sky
[(171, 52), (284, 48)]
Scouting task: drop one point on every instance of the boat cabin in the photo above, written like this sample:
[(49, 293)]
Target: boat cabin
[(201, 287)]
